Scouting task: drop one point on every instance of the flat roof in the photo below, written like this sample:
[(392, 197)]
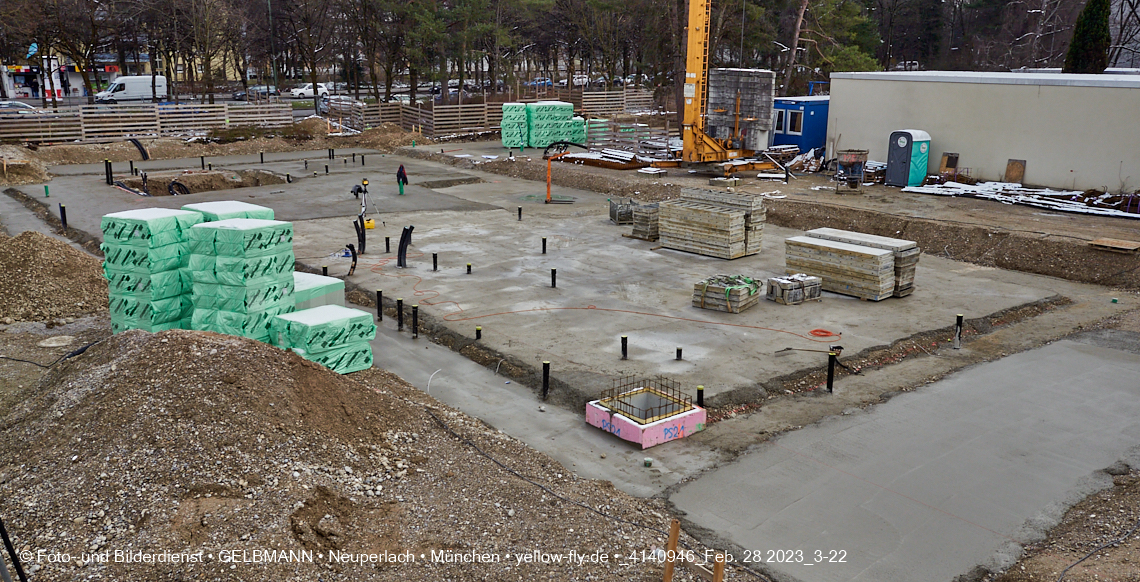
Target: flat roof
[(1005, 78), (804, 98)]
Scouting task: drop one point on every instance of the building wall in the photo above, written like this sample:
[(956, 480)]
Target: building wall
[(1073, 133)]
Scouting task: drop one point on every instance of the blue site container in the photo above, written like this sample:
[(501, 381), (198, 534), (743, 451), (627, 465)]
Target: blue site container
[(800, 121)]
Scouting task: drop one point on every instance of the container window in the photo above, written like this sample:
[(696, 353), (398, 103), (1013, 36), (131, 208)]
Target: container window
[(779, 125), (795, 122)]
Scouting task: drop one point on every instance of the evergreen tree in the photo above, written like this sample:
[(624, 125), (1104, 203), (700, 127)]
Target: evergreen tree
[(1088, 51)]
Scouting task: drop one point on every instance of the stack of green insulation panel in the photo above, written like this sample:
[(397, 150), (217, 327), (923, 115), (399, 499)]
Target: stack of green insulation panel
[(551, 121), (226, 209), (146, 254), (242, 273), (333, 336), (513, 127), (311, 290)]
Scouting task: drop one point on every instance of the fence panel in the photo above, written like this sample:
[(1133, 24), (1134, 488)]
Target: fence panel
[(603, 103), (459, 118), (413, 118), (178, 119), (638, 100), (102, 122), (41, 127), (264, 115)]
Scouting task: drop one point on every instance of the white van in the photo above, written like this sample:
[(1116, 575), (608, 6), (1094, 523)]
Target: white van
[(133, 88)]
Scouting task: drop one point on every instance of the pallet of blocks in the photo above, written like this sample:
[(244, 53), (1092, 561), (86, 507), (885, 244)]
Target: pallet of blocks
[(906, 253), (731, 293), (715, 224), (645, 221), (794, 289), (864, 272)]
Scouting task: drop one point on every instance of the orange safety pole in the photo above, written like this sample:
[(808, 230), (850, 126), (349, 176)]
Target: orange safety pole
[(671, 549), (548, 180)]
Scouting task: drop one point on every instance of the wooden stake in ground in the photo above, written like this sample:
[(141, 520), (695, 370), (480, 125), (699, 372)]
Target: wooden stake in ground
[(718, 568), (671, 549)]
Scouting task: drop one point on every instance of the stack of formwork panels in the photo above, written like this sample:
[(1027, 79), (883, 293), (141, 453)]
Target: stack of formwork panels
[(645, 221), (331, 335), (750, 92), (513, 127), (226, 209), (242, 272), (906, 253), (731, 293), (146, 255), (794, 289), (716, 224), (864, 272)]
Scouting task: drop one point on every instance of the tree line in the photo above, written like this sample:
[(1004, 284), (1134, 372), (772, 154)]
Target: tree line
[(488, 45)]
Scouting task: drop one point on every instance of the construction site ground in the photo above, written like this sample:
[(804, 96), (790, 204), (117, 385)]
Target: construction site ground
[(609, 286)]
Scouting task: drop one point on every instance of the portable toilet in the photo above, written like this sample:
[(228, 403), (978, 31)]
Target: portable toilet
[(908, 155)]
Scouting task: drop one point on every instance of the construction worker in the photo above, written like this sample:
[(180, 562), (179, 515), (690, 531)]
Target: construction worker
[(401, 178)]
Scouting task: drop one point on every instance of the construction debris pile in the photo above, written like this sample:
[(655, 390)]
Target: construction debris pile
[(851, 263), (731, 293), (1089, 202), (46, 279), (712, 223), (146, 253)]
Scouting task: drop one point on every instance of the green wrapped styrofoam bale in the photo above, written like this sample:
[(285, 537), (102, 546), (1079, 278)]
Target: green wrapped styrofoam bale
[(242, 271), (241, 237), (149, 286), (129, 310), (514, 112), (242, 299), (139, 259), (342, 360), (119, 327), (148, 227), (311, 290), (252, 325), (322, 328), (226, 209)]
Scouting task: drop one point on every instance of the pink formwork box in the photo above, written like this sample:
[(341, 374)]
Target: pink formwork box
[(647, 415)]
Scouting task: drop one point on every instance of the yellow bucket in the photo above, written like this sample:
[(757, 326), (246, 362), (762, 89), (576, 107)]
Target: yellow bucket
[(369, 223)]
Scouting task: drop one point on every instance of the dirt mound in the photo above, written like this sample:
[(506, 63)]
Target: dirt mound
[(217, 449), (20, 166), (45, 278), (386, 137), (158, 183)]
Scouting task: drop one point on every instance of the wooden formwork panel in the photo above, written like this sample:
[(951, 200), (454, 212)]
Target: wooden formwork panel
[(264, 115), (702, 228), (41, 127), (119, 121), (748, 203)]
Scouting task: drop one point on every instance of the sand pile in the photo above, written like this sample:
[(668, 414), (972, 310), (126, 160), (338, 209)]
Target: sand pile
[(45, 278), (20, 166), (199, 444)]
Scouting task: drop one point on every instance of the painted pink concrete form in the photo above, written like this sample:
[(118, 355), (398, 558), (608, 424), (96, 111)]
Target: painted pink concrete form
[(647, 435)]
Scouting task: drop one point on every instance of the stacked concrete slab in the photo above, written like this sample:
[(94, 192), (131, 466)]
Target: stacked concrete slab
[(146, 254), (333, 336), (712, 223), (864, 272), (756, 90), (906, 253), (242, 272)]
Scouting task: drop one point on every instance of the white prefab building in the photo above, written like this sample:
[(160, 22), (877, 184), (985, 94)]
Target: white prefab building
[(1073, 131)]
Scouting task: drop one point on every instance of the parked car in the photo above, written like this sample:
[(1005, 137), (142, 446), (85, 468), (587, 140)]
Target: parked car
[(323, 105), (16, 106), (133, 88), (306, 90), (257, 92), (540, 82)]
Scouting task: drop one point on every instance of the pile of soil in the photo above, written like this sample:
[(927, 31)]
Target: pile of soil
[(386, 137), (213, 447), (45, 278), (18, 167)]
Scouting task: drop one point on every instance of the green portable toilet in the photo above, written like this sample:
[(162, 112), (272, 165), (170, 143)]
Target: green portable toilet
[(908, 155)]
